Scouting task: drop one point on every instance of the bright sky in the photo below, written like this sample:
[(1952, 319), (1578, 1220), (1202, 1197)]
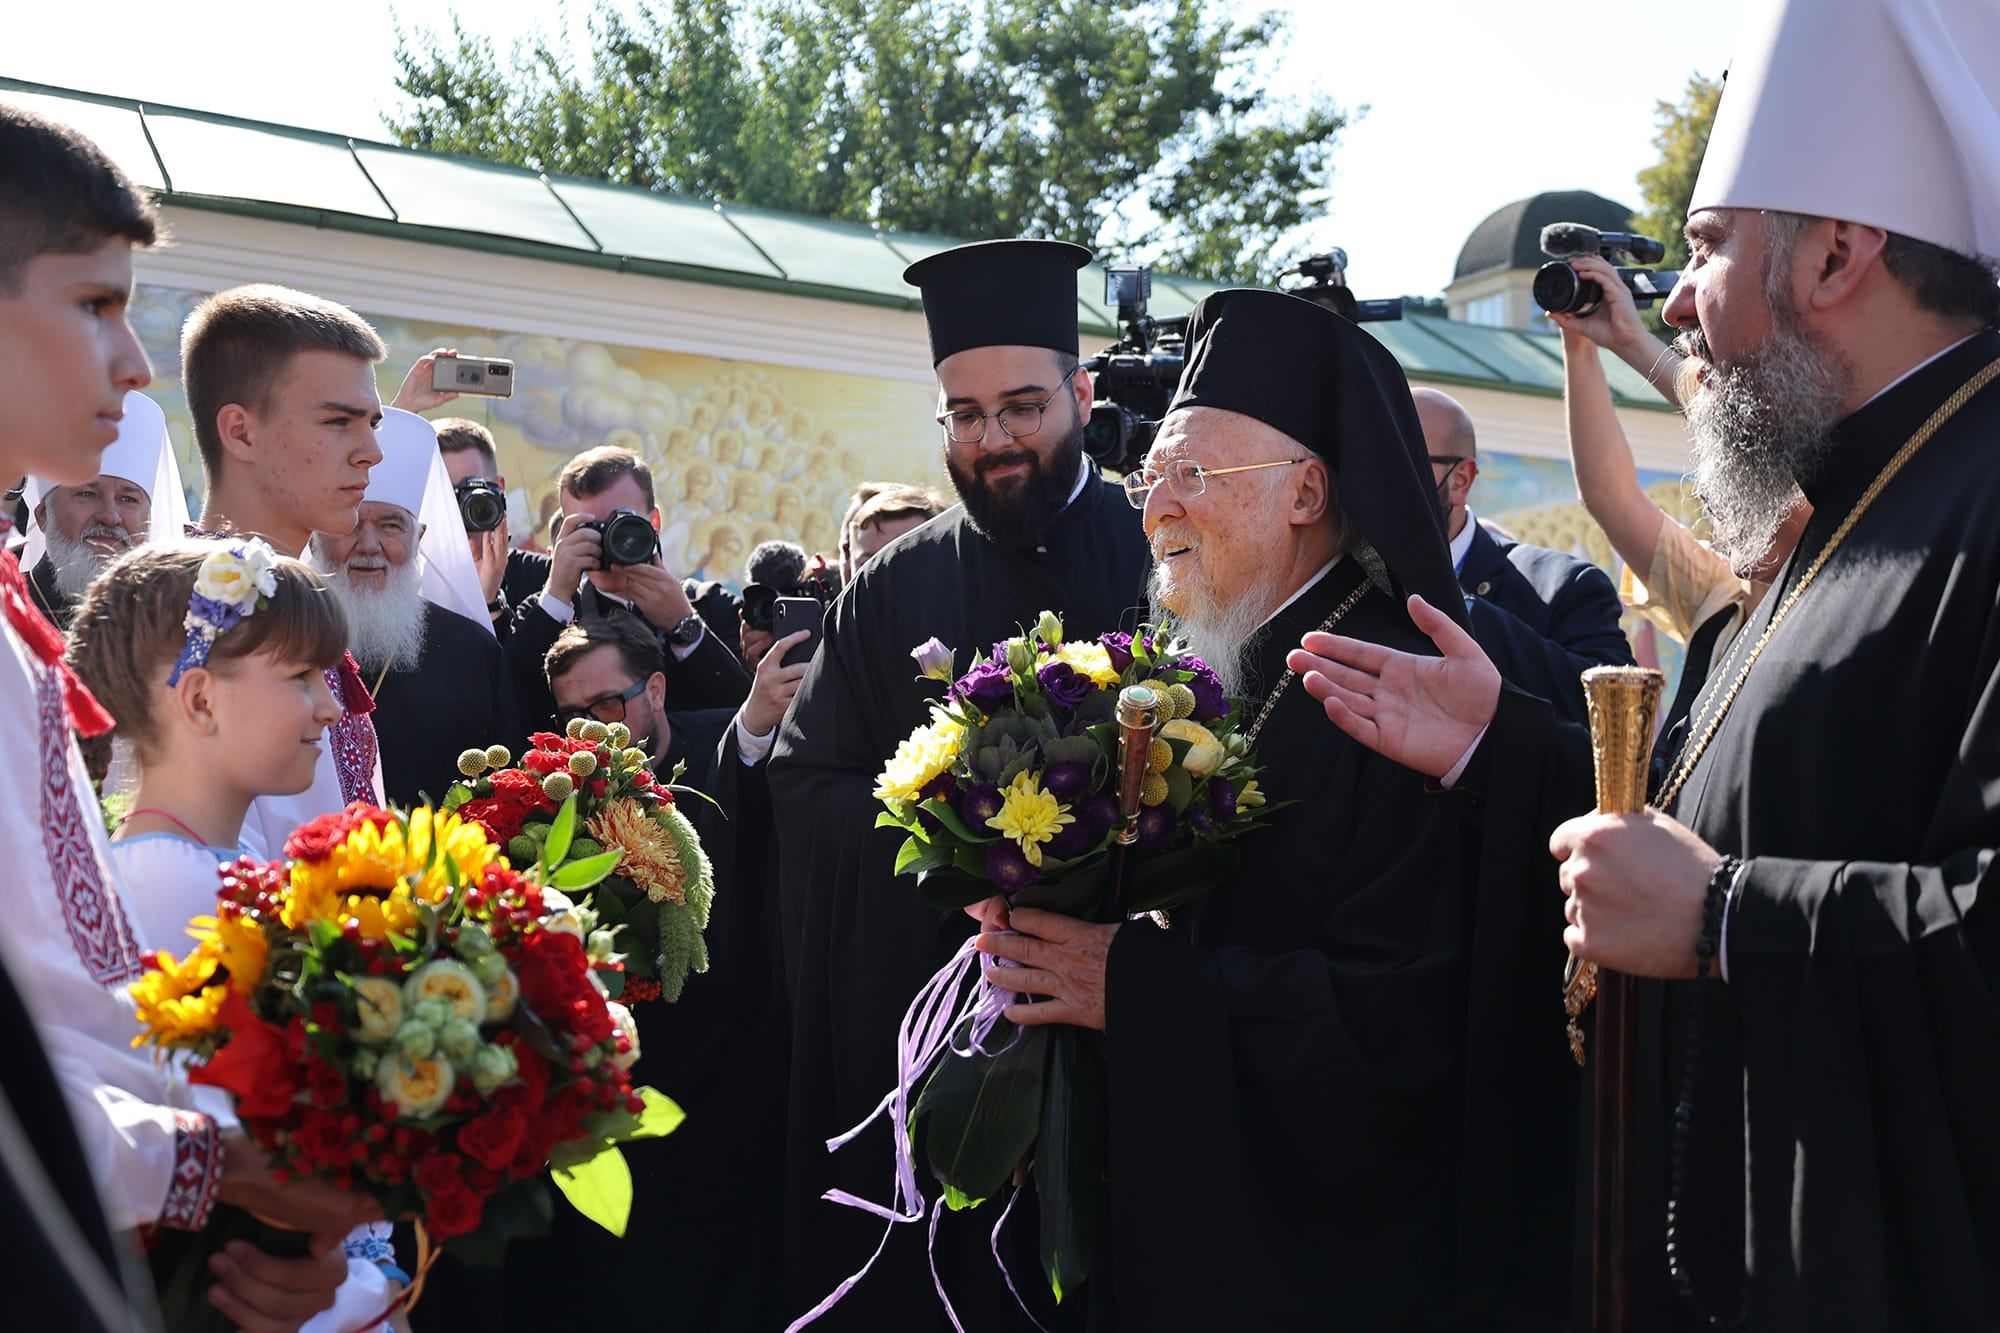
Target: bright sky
[(1472, 103)]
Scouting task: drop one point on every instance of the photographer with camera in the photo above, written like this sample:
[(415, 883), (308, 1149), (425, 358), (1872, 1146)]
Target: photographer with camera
[(606, 563), (507, 577), (1689, 590)]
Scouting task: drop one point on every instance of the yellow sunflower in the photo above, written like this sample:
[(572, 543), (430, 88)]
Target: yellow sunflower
[(647, 855), (178, 1001), (378, 874), (238, 943), (927, 754)]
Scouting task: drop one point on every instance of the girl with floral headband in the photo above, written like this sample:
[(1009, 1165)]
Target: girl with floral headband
[(212, 656)]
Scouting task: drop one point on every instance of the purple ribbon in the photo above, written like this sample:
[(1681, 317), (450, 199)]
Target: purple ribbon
[(923, 1038)]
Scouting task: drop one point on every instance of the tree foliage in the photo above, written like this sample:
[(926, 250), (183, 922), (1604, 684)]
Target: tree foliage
[(1681, 135), (1136, 127)]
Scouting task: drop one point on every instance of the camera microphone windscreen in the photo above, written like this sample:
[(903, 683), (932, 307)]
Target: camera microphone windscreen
[(1560, 240)]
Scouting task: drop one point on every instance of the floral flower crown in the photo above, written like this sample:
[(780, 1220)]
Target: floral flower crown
[(231, 584)]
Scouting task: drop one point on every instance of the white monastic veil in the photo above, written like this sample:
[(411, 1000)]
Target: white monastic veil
[(450, 578)]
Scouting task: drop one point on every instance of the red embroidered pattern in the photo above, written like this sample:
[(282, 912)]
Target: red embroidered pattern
[(197, 1172), (91, 911), (353, 741)]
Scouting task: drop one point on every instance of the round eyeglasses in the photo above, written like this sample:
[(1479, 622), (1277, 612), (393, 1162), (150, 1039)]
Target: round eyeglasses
[(968, 426), (1185, 478)]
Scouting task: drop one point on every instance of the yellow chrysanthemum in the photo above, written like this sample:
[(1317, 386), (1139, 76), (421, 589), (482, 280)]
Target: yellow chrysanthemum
[(1088, 659), (1029, 815), (646, 855), (377, 875), (238, 943), (178, 1001), (927, 754)]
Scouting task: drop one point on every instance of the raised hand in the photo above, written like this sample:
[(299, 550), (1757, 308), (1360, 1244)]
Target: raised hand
[(1422, 712)]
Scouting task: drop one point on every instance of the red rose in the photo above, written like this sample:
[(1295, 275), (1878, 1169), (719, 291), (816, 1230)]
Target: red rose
[(546, 740), (493, 1138), (520, 791), (531, 1086), (500, 824), (439, 1173), (455, 1213), (544, 762), (315, 840), (252, 1066)]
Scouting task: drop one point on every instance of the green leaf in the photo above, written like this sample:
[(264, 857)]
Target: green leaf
[(600, 1189), (560, 833), (948, 817), (457, 796), (958, 1200), (1070, 1157), (918, 856), (585, 874), (661, 1117), (323, 933), (980, 1113), (890, 819)]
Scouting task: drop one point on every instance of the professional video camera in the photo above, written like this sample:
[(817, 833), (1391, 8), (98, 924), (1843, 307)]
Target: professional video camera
[(759, 599), (1134, 378), (1560, 291)]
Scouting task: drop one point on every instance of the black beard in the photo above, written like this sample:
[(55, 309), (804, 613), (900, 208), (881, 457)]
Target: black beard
[(1023, 519)]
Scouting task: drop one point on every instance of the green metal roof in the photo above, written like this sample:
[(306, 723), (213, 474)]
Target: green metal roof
[(195, 159)]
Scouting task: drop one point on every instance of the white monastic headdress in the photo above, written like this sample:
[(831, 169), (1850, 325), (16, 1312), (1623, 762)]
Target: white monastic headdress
[(1882, 112), (411, 475), (143, 454)]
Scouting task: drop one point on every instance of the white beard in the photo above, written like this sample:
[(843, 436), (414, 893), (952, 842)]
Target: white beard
[(77, 563), (1226, 636), (385, 626)]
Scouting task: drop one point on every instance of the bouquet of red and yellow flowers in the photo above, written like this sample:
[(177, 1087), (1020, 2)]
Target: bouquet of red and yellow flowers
[(398, 1011), (661, 885)]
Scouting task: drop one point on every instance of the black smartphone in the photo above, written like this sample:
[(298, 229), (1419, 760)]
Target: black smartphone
[(789, 615)]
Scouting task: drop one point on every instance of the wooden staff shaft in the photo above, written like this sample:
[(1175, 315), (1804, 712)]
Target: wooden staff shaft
[(1623, 703)]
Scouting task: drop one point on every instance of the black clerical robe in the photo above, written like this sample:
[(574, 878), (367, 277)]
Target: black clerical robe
[(858, 940), (1859, 776), (1544, 617), (456, 698), (1288, 1087)]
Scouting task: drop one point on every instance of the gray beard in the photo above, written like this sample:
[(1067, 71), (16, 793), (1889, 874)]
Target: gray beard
[(385, 628), (1225, 637), (75, 564), (1759, 429)]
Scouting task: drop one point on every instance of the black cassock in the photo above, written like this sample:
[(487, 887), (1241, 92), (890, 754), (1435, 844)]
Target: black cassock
[(1295, 1139), (858, 940), (1859, 776), (458, 697)]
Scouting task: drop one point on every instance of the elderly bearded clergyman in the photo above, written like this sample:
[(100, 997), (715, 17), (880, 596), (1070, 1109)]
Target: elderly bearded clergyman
[(1287, 1062)]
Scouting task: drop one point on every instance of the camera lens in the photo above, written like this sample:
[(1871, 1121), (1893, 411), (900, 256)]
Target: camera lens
[(759, 600), (480, 504), (629, 539), (1560, 291)]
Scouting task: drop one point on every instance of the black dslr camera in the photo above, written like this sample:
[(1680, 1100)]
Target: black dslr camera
[(627, 537), (1560, 291), (1134, 378), (760, 599), (481, 503)]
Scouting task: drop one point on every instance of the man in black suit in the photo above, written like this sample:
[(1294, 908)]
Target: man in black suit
[(1545, 617), (694, 624)]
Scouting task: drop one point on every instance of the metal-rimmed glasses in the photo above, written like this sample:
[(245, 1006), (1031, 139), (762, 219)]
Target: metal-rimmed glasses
[(1185, 478), (967, 426), (605, 707)]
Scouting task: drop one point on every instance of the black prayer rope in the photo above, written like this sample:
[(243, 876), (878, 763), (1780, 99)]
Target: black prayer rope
[(1706, 947)]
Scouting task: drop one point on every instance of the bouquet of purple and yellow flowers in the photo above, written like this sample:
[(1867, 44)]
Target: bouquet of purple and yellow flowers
[(1012, 786)]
